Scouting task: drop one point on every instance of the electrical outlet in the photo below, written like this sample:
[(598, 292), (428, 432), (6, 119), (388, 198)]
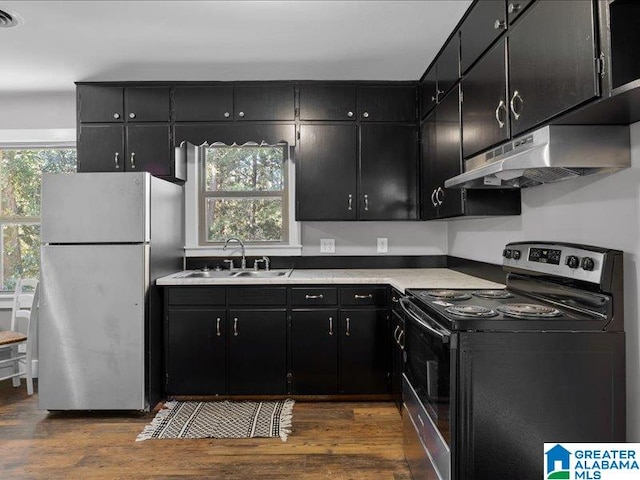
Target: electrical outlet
[(383, 245), (327, 245)]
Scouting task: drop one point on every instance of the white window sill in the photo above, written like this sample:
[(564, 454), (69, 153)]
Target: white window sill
[(250, 251)]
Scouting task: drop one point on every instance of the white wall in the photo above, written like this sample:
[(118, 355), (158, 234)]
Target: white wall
[(602, 211), (37, 111), (359, 238)]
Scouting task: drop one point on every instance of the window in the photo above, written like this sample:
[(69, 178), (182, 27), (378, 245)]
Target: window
[(244, 194), (20, 181)]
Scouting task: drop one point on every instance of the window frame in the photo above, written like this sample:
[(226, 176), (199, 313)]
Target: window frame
[(204, 195)]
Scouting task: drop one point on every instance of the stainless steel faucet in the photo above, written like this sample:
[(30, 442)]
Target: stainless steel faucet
[(243, 265)]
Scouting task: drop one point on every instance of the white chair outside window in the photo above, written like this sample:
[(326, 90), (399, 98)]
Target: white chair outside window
[(18, 341)]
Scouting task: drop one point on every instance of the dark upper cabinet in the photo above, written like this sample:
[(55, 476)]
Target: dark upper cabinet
[(364, 351), (388, 172), (515, 8), (552, 62), (264, 102), (486, 21), (485, 110), (196, 352), (99, 103), (441, 77), (328, 102), (147, 104), (101, 148), (428, 91), (257, 352), (326, 172), (430, 181), (149, 150), (314, 352), (203, 103), (387, 104)]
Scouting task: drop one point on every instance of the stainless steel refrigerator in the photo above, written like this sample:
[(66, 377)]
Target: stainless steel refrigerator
[(106, 237)]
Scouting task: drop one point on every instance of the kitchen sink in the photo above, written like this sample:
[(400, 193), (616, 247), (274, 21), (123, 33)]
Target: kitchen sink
[(263, 273), (207, 274)]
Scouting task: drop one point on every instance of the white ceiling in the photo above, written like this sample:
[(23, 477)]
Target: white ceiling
[(61, 42)]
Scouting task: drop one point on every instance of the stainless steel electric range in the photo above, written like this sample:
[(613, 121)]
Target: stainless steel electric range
[(491, 375)]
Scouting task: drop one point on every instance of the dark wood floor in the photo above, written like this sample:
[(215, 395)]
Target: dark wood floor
[(329, 441)]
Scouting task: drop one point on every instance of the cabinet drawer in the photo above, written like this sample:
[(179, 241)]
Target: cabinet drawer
[(258, 296), (314, 296), (196, 296), (376, 296)]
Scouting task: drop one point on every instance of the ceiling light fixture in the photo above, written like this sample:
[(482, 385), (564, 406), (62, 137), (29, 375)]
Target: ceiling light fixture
[(9, 19)]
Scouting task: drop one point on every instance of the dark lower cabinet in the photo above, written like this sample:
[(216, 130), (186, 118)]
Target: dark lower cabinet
[(364, 353), (314, 352), (196, 352), (397, 356), (257, 352)]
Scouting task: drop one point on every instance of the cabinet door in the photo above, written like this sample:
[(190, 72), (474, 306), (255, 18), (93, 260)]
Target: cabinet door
[(196, 352), (264, 102), (448, 161), (388, 172), (429, 178), (149, 149), (202, 104), (314, 352), (364, 352), (551, 62), (326, 172), (387, 104), (448, 65), (485, 23), (257, 352), (147, 104), (327, 102), (97, 103), (428, 90), (485, 114), (101, 148)]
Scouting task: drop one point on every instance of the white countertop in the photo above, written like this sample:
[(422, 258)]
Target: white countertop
[(398, 278)]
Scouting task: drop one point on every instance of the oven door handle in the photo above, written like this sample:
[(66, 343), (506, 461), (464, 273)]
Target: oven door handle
[(444, 334)]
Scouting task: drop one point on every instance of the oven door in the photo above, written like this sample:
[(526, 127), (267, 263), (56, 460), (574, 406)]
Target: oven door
[(427, 383)]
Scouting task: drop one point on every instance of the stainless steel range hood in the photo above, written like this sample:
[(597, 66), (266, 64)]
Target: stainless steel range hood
[(550, 154)]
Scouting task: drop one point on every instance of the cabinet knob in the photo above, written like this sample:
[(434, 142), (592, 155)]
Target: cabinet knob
[(514, 7), (350, 114), (132, 115), (227, 114), (500, 25), (241, 114), (116, 116), (365, 114)]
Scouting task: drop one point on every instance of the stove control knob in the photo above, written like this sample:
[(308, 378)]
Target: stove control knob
[(587, 263), (506, 253), (515, 254), (573, 261)]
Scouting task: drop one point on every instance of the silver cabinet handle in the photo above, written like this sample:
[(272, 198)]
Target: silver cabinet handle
[(116, 159), (438, 198), (133, 160), (235, 327), (358, 297), (312, 297), (227, 114), (395, 332), (500, 24), (330, 325), (365, 114), (433, 198), (218, 327), (401, 335), (116, 115), (132, 115), (350, 114), (394, 299), (241, 114), (513, 7), (350, 202), (366, 203), (500, 106), (512, 102), (348, 332)]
